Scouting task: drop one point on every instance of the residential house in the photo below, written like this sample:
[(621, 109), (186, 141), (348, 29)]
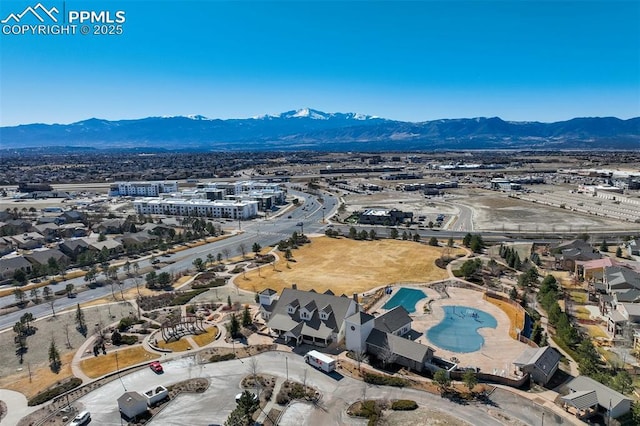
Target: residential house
[(588, 396), (112, 246), (72, 230), (41, 257), (109, 226), (28, 240), (540, 363), (73, 216), (633, 247), (593, 270), (9, 265), (48, 230), (382, 337), (73, 247), (568, 253), (137, 240), (6, 246), (305, 316)]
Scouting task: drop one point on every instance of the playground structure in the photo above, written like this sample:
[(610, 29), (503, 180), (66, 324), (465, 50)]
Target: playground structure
[(175, 329)]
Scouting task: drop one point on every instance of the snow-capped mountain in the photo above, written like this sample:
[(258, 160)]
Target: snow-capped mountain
[(311, 129)]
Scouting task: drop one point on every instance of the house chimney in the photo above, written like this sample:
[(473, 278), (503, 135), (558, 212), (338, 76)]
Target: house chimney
[(294, 286), (355, 297)]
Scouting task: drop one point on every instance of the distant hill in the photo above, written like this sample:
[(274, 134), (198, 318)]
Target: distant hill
[(308, 129)]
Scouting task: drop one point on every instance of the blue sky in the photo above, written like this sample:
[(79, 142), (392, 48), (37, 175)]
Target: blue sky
[(414, 60)]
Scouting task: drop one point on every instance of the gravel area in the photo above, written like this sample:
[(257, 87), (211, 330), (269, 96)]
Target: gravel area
[(420, 417)]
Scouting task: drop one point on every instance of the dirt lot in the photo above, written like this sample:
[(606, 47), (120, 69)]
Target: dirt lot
[(421, 417), (497, 211), (349, 266)]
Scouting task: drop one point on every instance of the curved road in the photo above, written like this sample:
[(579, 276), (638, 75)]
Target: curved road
[(217, 402)]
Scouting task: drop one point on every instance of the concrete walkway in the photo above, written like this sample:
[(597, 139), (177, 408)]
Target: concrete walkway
[(17, 406), (267, 408)]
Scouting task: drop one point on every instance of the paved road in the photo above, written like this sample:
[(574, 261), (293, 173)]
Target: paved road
[(264, 232), (218, 401)]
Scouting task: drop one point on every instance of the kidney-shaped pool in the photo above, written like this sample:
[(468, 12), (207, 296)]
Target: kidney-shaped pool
[(458, 331)]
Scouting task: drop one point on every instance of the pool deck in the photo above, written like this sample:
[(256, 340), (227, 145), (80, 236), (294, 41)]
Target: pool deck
[(499, 350)]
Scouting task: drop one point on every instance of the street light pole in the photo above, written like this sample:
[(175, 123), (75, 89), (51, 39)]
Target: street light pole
[(286, 364)]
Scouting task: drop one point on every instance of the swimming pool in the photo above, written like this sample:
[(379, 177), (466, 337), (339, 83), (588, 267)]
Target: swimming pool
[(405, 297), (458, 331)]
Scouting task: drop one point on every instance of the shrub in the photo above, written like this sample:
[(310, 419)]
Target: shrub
[(226, 357), (376, 379), (55, 391), (125, 323), (404, 405), (183, 298)]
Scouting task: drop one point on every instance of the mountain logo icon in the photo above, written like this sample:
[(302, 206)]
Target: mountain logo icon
[(38, 11)]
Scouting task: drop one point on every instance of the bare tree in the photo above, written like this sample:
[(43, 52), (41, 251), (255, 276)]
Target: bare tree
[(48, 295), (226, 253), (66, 335), (253, 370), (386, 355), (360, 356), (243, 249), (121, 284)]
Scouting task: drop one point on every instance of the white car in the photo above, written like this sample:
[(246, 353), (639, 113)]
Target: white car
[(81, 419), (253, 395)]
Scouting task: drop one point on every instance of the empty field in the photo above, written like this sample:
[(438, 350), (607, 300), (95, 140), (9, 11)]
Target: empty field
[(348, 266)]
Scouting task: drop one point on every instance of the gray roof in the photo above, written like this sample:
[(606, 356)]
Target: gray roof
[(633, 309), (360, 318), (400, 346), (281, 320), (131, 397), (393, 320), (582, 399), (72, 245), (604, 393), (631, 295), (619, 276), (11, 264), (268, 292), (42, 256), (544, 359)]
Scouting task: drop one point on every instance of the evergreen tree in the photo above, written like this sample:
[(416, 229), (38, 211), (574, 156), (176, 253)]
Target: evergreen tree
[(81, 325), (604, 246), (234, 325), (433, 241), (466, 241), (54, 357), (618, 252), (246, 317)]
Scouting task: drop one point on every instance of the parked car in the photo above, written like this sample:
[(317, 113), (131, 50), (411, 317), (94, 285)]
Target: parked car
[(156, 366), (253, 395), (81, 419)]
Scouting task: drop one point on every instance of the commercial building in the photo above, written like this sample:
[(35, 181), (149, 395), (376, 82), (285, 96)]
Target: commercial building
[(239, 210), (143, 189)]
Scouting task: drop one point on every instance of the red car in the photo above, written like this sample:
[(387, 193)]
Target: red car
[(156, 366)]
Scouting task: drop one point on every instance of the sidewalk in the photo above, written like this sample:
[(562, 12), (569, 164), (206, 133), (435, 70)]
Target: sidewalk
[(17, 406)]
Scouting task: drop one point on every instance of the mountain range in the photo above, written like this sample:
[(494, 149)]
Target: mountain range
[(309, 129)]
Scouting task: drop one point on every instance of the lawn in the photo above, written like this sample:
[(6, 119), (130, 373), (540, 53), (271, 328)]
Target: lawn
[(103, 364), (206, 338), (596, 331), (41, 377), (175, 345), (579, 297), (582, 313), (516, 318), (348, 266)]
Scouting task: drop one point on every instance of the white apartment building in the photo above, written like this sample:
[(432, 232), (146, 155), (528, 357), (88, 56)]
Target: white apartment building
[(229, 209), (146, 189)]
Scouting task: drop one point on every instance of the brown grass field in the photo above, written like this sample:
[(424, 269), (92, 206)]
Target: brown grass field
[(41, 377), (348, 266), (516, 319), (206, 338), (100, 365), (176, 345)]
